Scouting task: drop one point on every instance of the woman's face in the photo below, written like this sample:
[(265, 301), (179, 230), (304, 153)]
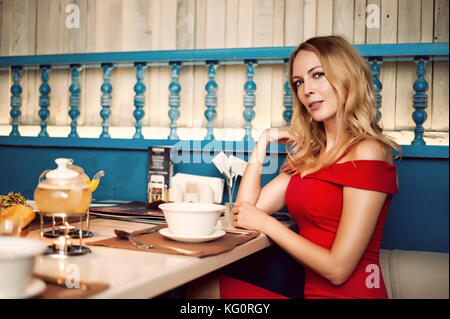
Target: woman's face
[(317, 95)]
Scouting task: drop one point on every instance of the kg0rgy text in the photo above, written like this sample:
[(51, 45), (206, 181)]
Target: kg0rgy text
[(230, 308)]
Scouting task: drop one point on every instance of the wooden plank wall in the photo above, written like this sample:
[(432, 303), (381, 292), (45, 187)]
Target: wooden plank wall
[(38, 27)]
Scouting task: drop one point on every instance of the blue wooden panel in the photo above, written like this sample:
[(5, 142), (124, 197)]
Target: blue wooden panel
[(124, 169), (417, 219), (418, 216), (422, 151)]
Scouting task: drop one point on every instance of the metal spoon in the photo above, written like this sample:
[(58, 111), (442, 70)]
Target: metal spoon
[(239, 232), (126, 235), (145, 231)]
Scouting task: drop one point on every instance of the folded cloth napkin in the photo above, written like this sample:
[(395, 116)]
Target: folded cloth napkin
[(57, 289), (214, 247)]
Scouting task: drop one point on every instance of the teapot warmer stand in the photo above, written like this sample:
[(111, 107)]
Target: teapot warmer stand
[(66, 233), (75, 250), (76, 234)]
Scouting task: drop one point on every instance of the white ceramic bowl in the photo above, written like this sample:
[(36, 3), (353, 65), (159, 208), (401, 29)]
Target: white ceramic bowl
[(17, 257), (192, 219)]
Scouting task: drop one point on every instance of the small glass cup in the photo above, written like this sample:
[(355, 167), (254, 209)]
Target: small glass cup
[(9, 227), (227, 221)]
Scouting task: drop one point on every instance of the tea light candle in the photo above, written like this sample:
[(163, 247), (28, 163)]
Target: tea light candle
[(58, 244), (62, 245), (66, 228)]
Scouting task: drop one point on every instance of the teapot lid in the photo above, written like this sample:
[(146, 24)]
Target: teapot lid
[(62, 172)]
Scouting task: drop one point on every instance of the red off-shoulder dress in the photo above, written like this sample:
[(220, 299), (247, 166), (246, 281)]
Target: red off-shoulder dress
[(315, 202)]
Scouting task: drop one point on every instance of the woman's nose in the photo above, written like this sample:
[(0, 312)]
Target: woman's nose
[(308, 88)]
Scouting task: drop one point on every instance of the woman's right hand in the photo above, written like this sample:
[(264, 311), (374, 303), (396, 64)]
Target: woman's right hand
[(273, 135), (276, 135)]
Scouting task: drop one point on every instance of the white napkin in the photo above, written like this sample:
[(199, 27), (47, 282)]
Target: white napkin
[(237, 165), (229, 166), (221, 160)]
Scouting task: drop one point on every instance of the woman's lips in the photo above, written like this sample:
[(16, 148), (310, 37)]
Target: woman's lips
[(315, 105)]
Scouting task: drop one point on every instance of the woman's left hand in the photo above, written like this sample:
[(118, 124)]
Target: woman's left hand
[(248, 216)]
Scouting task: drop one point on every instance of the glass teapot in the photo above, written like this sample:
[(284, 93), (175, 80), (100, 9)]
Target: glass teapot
[(66, 190), (93, 183)]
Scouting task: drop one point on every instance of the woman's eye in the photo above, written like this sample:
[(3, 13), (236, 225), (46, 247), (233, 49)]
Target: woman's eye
[(318, 75), (297, 83)]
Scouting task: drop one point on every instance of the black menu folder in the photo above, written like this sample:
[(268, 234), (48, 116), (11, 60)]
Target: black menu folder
[(133, 211)]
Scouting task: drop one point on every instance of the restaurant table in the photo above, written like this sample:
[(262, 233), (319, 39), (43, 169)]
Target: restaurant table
[(137, 274)]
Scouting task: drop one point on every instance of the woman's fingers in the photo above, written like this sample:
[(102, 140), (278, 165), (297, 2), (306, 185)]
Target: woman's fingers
[(282, 135), (234, 215), (234, 218), (276, 135)]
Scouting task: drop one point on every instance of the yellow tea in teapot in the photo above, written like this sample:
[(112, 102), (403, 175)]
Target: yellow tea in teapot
[(69, 200)]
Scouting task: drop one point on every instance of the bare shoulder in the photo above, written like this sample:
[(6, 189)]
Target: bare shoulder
[(372, 149), (284, 177), (280, 182)]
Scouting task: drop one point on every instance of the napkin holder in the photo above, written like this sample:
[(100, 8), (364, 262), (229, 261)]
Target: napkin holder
[(215, 183)]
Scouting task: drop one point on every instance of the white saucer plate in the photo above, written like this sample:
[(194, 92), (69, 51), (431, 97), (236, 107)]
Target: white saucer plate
[(191, 239), (33, 288)]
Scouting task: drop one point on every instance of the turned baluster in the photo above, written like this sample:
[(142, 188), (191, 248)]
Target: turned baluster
[(249, 101), (210, 101), (139, 98), (44, 100), (377, 86), (16, 101), (74, 101), (174, 101), (420, 100), (105, 100), (288, 101)]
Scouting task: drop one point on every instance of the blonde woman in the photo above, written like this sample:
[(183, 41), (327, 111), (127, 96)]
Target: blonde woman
[(338, 180)]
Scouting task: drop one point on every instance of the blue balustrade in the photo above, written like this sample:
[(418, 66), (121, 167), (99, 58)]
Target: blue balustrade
[(210, 101), (105, 99), (44, 100), (139, 98), (288, 100), (16, 101), (420, 100), (375, 54), (174, 101), (249, 101), (377, 86), (75, 89)]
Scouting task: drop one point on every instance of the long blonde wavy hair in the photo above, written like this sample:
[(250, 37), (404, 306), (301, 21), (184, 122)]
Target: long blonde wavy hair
[(350, 75)]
